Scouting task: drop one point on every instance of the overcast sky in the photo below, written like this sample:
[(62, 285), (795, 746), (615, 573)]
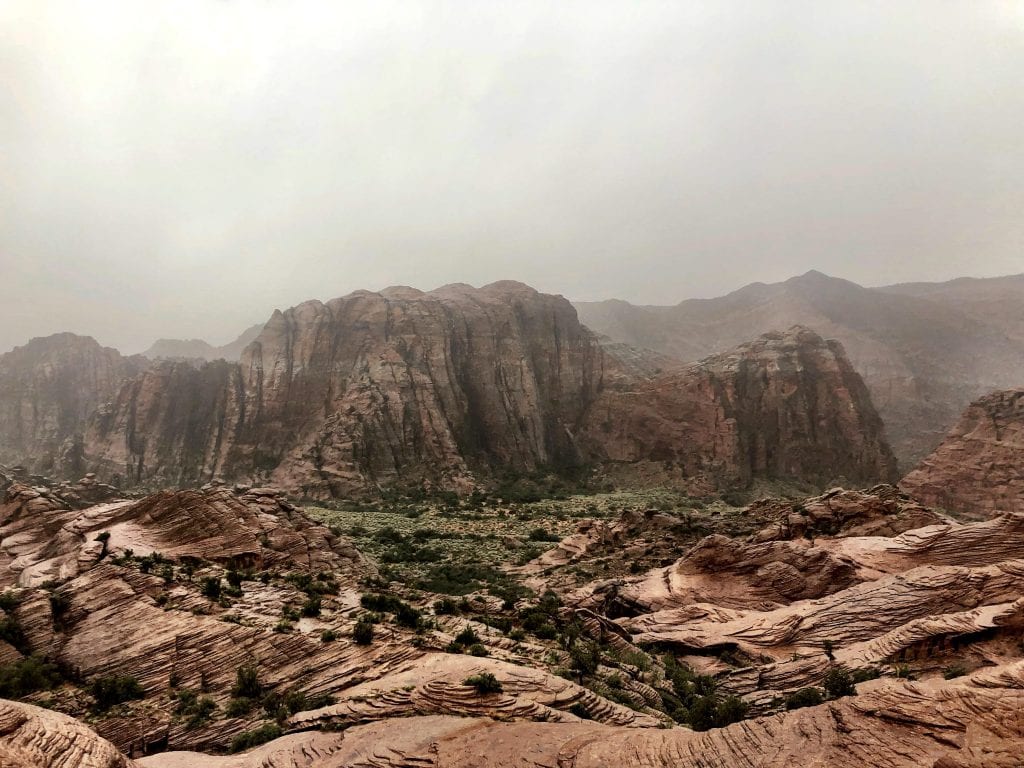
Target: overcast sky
[(182, 168)]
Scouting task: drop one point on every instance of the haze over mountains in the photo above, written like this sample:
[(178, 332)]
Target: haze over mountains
[(925, 350)]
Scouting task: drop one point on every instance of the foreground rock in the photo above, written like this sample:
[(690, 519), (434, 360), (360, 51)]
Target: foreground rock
[(976, 471), (966, 723)]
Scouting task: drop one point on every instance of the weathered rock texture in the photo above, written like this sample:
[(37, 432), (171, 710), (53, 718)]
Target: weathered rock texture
[(451, 387), (49, 388), (924, 350), (979, 468), (43, 538), (966, 723), (787, 405)]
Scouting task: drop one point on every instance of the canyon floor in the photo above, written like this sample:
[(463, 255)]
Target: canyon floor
[(533, 626)]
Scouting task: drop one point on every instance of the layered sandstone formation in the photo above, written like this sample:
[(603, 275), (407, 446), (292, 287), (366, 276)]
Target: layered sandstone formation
[(965, 723), (49, 388), (978, 469), (924, 350), (787, 405), (451, 388)]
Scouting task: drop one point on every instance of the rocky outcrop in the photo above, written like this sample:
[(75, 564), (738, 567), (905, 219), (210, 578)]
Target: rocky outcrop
[(970, 722), (49, 389), (977, 470), (787, 405), (879, 511), (449, 389), (43, 538), (368, 390), (925, 351)]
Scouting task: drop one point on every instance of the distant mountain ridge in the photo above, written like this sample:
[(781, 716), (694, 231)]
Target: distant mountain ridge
[(925, 350), (197, 349)]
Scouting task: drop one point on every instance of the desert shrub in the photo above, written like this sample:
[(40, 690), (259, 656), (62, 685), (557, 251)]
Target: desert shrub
[(196, 710), (805, 697), (362, 633), (239, 707), (954, 671), (484, 683), (730, 710), (311, 607), (247, 683), (407, 616), (446, 606), (28, 675), (234, 578), (584, 658), (467, 636), (12, 633), (865, 673), (838, 683), (542, 534), (328, 636), (115, 689), (211, 587), (253, 738), (478, 649)]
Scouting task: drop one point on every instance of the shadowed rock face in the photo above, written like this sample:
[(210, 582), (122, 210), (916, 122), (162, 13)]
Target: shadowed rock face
[(977, 470), (451, 387), (48, 390), (787, 405)]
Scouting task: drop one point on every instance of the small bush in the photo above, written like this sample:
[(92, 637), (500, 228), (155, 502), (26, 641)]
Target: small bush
[(328, 636), (954, 671), (250, 739), (115, 689), (247, 683), (28, 675), (211, 587), (239, 707), (839, 683), (805, 697), (311, 607), (477, 649), (467, 636), (362, 633), (484, 683)]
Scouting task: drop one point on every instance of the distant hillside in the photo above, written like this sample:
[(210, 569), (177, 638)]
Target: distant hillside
[(925, 350), (197, 349)]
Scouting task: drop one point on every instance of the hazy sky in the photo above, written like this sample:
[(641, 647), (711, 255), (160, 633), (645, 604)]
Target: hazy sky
[(182, 168)]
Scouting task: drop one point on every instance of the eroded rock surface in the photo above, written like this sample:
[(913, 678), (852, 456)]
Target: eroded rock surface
[(977, 470)]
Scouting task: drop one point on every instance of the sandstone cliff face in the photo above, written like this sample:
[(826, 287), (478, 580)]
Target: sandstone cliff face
[(48, 390), (368, 390), (979, 468), (453, 387), (787, 405)]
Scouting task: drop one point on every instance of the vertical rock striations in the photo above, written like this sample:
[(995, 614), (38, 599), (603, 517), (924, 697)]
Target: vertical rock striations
[(977, 470)]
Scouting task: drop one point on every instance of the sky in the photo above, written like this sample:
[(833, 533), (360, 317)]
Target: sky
[(180, 169)]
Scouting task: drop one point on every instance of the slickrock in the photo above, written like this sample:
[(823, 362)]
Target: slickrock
[(970, 722), (857, 614), (734, 574), (42, 538), (434, 685), (880, 511), (31, 737), (977, 469)]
